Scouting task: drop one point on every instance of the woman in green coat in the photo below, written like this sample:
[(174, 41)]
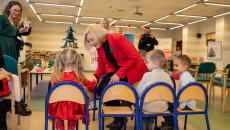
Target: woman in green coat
[(8, 28)]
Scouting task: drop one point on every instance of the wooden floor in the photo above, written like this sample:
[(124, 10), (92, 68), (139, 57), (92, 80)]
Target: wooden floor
[(36, 121)]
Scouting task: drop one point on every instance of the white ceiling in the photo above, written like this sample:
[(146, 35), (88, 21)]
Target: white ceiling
[(124, 9)]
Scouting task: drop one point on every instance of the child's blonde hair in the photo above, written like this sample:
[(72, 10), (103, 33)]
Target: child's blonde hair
[(185, 60), (156, 55), (68, 57)]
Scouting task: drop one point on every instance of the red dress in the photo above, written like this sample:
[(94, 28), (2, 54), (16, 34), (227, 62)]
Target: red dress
[(68, 110)]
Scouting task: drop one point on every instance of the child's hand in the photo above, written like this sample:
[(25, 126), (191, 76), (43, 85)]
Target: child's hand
[(179, 109)]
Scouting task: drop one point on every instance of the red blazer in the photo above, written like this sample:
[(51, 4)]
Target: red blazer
[(126, 56)]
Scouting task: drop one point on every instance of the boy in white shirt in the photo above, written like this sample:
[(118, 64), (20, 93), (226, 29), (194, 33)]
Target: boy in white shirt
[(181, 65)]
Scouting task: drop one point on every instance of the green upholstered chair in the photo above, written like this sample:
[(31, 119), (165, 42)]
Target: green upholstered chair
[(224, 85), (222, 77), (203, 73), (12, 66)]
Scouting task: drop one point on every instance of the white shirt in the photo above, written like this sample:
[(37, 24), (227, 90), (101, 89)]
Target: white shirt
[(186, 78)]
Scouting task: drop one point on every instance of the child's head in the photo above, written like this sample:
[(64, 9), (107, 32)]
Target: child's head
[(181, 63), (68, 59), (155, 59)]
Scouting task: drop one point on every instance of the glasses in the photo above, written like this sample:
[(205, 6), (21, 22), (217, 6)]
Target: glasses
[(15, 10)]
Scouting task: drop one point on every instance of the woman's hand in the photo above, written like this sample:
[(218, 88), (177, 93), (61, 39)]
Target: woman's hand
[(22, 30), (114, 78), (94, 78), (30, 24)]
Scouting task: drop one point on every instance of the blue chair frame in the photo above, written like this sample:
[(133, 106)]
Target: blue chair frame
[(141, 114), (95, 99), (194, 112), (102, 115), (48, 97)]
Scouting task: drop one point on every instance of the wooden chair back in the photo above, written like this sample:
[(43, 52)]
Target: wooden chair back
[(119, 92), (159, 92), (192, 91), (67, 93)]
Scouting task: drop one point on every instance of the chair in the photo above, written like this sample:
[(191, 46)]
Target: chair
[(158, 91), (224, 85), (10, 96), (222, 77), (96, 97), (118, 91), (174, 83), (196, 91), (66, 91), (203, 72), (11, 65)]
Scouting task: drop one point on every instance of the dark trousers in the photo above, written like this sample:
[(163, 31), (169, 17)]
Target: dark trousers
[(4, 107), (169, 119), (104, 82)]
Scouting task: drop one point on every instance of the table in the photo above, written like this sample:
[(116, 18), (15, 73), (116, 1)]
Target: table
[(46, 71)]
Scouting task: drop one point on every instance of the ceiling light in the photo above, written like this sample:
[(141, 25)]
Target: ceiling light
[(113, 22), (146, 24), (27, 0), (33, 9), (169, 23), (125, 26), (59, 22), (133, 20), (158, 28), (76, 19), (190, 16), (86, 23), (185, 8), (91, 17), (52, 4), (217, 4), (162, 18), (176, 27), (58, 15), (221, 14), (79, 11), (197, 21), (39, 18), (81, 2)]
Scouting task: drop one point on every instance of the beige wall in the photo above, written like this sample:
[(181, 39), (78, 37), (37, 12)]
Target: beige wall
[(49, 36)]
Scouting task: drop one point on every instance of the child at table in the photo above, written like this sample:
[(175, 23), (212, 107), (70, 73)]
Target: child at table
[(68, 66)]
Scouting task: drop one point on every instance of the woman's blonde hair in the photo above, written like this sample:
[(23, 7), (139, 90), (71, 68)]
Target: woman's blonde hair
[(68, 57), (156, 55), (98, 33)]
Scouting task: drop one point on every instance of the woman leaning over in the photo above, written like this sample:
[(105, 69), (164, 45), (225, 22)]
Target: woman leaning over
[(118, 53)]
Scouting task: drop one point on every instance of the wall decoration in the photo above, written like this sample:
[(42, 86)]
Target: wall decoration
[(165, 44), (210, 37), (130, 37), (214, 50)]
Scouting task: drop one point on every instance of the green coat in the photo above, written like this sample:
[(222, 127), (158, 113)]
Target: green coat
[(7, 37)]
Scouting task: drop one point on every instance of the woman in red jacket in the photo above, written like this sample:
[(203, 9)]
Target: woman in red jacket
[(120, 56)]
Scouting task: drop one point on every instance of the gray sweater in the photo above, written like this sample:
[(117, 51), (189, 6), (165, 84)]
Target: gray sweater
[(156, 75)]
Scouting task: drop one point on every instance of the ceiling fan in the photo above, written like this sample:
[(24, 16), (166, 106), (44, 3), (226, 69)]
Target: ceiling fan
[(138, 13)]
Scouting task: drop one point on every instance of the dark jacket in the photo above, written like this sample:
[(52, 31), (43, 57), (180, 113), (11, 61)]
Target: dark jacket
[(147, 43)]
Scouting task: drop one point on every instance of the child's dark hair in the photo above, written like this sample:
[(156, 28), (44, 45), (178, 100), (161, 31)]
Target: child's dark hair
[(185, 60)]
